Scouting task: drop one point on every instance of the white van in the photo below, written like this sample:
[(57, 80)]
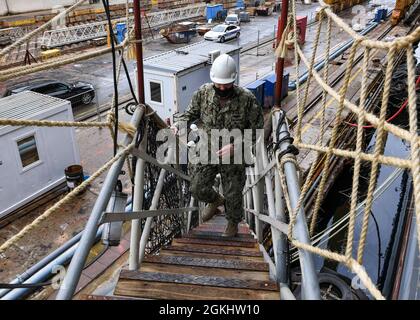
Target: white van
[(233, 19)]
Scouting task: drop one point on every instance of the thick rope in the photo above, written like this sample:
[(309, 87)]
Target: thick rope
[(24, 70), (50, 123), (334, 136), (415, 145), (297, 62), (358, 160), (395, 130), (375, 159), (312, 170), (39, 29), (308, 82), (353, 266), (68, 198), (379, 146), (388, 160), (398, 43), (124, 127)]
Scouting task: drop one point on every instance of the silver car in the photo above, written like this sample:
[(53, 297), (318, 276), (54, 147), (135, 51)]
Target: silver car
[(222, 32)]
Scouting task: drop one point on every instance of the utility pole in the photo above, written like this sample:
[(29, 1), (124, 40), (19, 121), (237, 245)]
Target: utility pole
[(139, 50), (281, 25)]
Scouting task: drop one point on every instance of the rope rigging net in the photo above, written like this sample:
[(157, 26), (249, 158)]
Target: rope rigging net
[(326, 148)]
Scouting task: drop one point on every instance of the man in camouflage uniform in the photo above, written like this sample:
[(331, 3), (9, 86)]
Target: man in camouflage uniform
[(222, 105)]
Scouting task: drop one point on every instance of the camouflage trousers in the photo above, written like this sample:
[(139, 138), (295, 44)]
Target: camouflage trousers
[(233, 181)]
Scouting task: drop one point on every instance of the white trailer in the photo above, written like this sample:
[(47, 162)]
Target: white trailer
[(171, 78), (33, 159)]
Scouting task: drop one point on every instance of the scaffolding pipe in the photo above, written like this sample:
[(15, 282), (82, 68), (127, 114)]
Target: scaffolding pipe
[(248, 202), (147, 226), (310, 283), (189, 217), (281, 250), (42, 270), (279, 238), (285, 293), (133, 263), (251, 202), (275, 234), (76, 265), (258, 200), (138, 195), (153, 206)]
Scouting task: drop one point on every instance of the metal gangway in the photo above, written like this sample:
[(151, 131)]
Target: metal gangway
[(263, 189), (75, 34)]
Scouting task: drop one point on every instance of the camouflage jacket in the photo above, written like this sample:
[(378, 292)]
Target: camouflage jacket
[(241, 111)]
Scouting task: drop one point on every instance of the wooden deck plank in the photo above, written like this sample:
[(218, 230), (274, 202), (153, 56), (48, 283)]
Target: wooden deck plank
[(162, 290), (221, 243), (217, 233), (216, 250), (212, 281), (99, 297), (210, 255), (209, 263), (218, 228), (203, 271), (218, 237)]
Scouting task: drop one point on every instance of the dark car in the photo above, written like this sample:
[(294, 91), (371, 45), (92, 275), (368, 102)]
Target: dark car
[(76, 93)]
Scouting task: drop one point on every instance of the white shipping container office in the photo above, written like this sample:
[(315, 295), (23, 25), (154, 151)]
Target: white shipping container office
[(33, 159), (171, 78)]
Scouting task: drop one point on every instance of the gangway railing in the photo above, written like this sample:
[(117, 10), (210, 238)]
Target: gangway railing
[(263, 170), (68, 35)]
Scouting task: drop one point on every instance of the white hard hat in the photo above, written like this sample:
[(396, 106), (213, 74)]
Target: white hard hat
[(223, 70)]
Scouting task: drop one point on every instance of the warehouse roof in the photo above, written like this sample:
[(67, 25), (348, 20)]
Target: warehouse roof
[(186, 57), (27, 105)]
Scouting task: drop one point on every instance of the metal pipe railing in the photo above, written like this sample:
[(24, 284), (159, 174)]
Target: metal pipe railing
[(310, 283), (133, 260), (258, 201), (149, 220), (155, 203), (74, 271)]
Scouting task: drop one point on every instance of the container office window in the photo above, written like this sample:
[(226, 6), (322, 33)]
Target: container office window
[(155, 91), (28, 151)]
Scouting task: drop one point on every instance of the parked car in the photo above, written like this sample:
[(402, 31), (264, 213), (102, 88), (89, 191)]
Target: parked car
[(233, 19), (223, 32), (77, 93)]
